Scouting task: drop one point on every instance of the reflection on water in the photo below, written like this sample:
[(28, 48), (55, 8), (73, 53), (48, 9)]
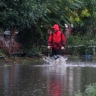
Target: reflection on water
[(55, 80), (47, 79)]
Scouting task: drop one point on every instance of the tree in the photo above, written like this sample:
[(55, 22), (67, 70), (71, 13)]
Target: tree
[(91, 20), (19, 14), (60, 11)]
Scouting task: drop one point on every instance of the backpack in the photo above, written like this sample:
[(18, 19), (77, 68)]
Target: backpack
[(61, 37)]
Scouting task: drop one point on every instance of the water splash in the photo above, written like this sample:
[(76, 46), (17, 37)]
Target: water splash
[(52, 61), (64, 62), (81, 64)]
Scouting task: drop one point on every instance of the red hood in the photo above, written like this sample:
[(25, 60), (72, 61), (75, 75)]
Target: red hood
[(56, 26)]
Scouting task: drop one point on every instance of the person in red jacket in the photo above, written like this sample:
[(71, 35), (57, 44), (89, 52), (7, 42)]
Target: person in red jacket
[(57, 40)]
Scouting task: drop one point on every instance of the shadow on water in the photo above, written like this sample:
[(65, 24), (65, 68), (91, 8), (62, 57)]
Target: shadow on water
[(47, 79)]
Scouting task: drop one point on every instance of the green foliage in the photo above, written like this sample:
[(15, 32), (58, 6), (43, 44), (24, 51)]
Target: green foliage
[(43, 14), (33, 51), (87, 39), (2, 54), (81, 45), (90, 19), (74, 40), (89, 91), (59, 11), (23, 13), (20, 13), (30, 39)]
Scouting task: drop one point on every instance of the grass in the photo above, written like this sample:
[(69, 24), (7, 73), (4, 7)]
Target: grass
[(20, 60)]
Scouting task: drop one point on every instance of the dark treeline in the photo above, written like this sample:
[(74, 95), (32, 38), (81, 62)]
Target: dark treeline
[(32, 19)]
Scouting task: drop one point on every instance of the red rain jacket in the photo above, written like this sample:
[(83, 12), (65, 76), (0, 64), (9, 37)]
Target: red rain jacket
[(56, 39)]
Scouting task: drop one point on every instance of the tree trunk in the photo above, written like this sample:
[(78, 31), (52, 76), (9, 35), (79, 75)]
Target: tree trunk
[(12, 33)]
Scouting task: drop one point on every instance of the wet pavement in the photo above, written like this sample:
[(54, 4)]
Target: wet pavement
[(47, 80)]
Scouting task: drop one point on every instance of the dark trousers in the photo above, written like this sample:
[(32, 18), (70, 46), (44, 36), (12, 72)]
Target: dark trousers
[(56, 52)]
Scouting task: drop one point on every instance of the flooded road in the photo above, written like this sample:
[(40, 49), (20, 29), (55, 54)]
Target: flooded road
[(47, 80)]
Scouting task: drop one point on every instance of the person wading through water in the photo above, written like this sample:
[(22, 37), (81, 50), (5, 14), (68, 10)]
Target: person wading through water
[(57, 40)]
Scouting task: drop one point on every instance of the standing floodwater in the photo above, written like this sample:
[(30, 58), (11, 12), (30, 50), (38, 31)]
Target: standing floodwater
[(47, 79)]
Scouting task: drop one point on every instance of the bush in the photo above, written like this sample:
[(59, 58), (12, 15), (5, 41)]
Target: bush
[(81, 45), (89, 91)]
